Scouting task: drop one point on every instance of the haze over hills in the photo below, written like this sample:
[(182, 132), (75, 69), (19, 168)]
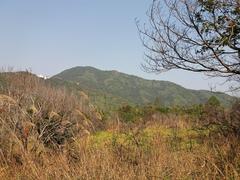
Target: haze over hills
[(120, 88)]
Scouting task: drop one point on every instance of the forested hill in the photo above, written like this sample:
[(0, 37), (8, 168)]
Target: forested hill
[(132, 89)]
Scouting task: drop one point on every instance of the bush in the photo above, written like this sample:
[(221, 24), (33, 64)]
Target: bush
[(32, 108), (213, 112), (129, 114), (235, 118)]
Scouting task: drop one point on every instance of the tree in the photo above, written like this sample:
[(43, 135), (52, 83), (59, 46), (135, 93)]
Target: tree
[(213, 112), (213, 101), (193, 35)]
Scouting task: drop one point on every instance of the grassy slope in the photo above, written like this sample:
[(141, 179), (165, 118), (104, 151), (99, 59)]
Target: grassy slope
[(119, 87)]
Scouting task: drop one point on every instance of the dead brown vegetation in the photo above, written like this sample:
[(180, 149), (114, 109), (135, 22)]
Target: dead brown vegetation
[(49, 133)]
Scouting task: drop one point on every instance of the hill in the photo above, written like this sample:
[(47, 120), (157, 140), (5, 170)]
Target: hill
[(117, 87)]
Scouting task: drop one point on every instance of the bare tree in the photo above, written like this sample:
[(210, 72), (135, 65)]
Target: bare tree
[(193, 35)]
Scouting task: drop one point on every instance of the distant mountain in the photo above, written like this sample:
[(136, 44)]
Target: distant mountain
[(117, 87)]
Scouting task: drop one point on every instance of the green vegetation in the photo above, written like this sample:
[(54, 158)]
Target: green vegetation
[(112, 89)]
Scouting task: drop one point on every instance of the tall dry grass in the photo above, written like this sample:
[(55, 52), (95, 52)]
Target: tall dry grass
[(210, 160), (156, 147)]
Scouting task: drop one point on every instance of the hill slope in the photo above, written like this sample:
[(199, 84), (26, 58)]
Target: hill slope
[(120, 88)]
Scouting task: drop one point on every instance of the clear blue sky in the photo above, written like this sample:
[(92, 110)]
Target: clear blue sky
[(49, 36)]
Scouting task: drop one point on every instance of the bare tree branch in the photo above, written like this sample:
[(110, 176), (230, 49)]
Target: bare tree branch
[(193, 35)]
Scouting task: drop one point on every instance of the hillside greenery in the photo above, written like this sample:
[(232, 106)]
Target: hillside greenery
[(114, 89)]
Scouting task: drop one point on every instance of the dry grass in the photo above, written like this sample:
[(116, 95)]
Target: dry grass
[(158, 160), (167, 147)]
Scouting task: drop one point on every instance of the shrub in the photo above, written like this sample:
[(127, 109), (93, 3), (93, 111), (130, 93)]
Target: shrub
[(235, 118), (33, 108)]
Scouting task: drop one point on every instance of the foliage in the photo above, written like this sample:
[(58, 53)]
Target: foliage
[(234, 121), (129, 114), (213, 101), (111, 90), (193, 35), (227, 122), (213, 112)]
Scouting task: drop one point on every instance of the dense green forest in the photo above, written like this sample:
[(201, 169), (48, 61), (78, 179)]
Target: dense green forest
[(113, 89)]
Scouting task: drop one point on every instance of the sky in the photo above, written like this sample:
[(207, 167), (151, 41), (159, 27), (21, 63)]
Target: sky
[(49, 36)]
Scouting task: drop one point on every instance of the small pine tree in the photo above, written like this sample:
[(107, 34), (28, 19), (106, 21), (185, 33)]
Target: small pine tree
[(213, 101)]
